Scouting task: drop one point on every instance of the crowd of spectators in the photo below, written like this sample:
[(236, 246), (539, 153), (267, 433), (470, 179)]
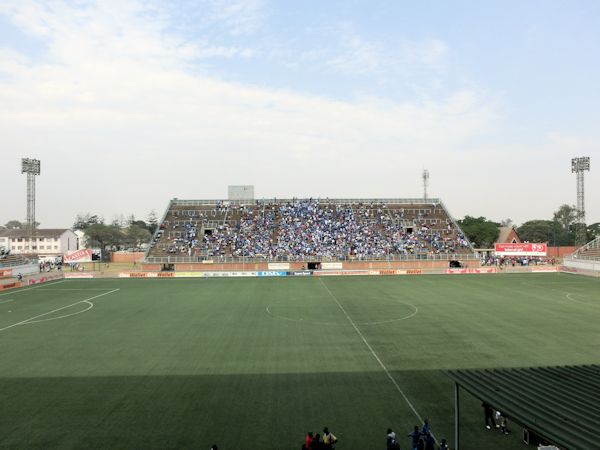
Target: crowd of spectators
[(51, 264), (523, 261), (310, 227)]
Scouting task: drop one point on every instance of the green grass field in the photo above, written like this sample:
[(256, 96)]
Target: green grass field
[(255, 363)]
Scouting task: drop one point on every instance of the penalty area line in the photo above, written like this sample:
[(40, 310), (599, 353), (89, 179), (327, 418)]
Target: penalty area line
[(34, 318)]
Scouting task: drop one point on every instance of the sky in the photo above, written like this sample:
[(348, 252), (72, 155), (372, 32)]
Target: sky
[(130, 103)]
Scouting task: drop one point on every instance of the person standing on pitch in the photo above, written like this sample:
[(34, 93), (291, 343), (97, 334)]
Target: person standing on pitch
[(390, 440), (328, 438), (415, 437), (489, 416)]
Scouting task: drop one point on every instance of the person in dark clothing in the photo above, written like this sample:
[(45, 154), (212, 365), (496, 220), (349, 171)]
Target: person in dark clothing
[(489, 416), (414, 438), (425, 428), (429, 441), (317, 443), (390, 440)]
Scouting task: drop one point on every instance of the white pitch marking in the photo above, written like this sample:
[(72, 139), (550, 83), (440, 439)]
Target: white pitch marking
[(579, 301), (6, 301), (50, 283), (57, 309), (74, 289), (385, 369), (64, 315), (316, 322)]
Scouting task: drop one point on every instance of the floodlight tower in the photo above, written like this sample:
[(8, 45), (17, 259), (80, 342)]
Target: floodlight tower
[(32, 168), (579, 165), (425, 183)]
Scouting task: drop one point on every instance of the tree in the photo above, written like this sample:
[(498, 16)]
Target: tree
[(593, 231), (481, 232), (139, 223), (152, 222), (136, 235), (565, 219), (537, 231), (83, 221), (106, 237), (565, 216), (119, 221), (15, 225)]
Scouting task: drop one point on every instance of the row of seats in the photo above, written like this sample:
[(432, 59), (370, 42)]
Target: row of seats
[(298, 228)]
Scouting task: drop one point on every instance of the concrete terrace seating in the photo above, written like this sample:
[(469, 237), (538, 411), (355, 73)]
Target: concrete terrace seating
[(300, 229), (590, 251), (12, 260)]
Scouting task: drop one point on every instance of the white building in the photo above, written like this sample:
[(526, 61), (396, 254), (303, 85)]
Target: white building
[(45, 243)]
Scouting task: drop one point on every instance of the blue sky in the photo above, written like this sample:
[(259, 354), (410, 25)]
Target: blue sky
[(311, 98)]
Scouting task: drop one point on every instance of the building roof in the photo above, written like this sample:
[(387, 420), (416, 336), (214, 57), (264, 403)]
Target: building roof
[(561, 404), (508, 235), (45, 233)]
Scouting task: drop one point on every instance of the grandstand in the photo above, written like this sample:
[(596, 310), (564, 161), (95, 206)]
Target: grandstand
[(196, 231), (590, 251), (12, 260), (585, 261)]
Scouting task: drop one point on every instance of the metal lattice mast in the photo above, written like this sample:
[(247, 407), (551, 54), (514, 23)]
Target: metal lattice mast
[(32, 168), (30, 201), (579, 166), (425, 182)]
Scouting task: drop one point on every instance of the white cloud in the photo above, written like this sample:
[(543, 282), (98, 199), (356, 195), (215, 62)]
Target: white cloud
[(239, 16), (114, 97), (351, 53)]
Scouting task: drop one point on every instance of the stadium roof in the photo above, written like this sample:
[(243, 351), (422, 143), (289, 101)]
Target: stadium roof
[(561, 404)]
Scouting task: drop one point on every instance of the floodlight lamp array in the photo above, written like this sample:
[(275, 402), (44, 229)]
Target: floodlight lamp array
[(580, 164), (31, 166)]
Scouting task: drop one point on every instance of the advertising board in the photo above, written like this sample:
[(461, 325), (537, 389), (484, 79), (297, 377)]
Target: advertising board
[(521, 249), (189, 274), (337, 273), (5, 273), (80, 275), (79, 256), (300, 273), (39, 280), (331, 265), (13, 285), (471, 271), (395, 272), (279, 266), (544, 269), (272, 273)]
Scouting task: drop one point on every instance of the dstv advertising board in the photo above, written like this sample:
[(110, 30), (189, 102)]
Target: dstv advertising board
[(521, 249)]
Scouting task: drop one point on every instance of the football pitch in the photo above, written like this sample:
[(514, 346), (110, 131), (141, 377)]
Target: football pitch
[(255, 363)]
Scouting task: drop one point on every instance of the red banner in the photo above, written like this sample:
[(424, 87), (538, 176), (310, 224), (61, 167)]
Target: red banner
[(79, 256), (13, 285), (470, 271), (521, 249), (5, 273)]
